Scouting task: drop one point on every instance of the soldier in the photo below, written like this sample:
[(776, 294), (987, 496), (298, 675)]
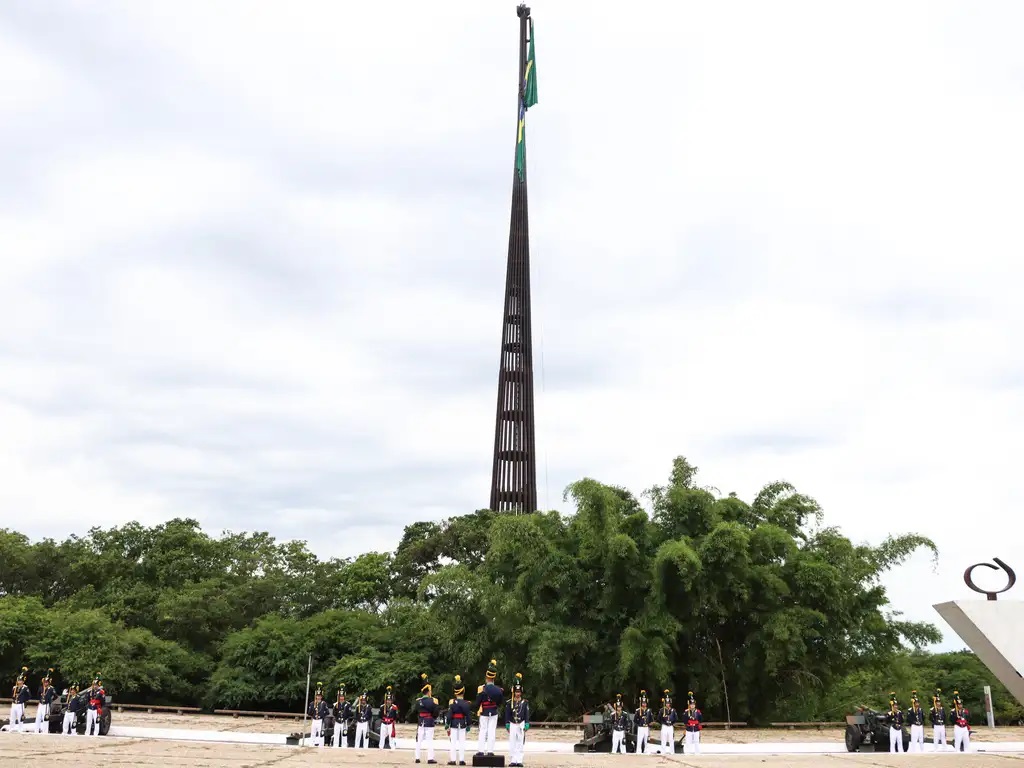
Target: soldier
[(619, 723), (457, 723), (961, 724), (388, 718), (317, 711), (363, 717), (94, 710), (667, 717), (938, 718), (47, 693), (517, 722), (19, 698), (342, 715), (488, 698), (915, 719), (426, 706), (694, 723), (71, 714), (895, 724), (642, 719)]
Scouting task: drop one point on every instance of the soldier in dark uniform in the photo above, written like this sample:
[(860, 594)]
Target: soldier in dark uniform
[(363, 716), (47, 695), (342, 716), (915, 719), (457, 723), (937, 715), (667, 717), (94, 710), (388, 718), (619, 724), (489, 697), (426, 707), (642, 719), (895, 724), (517, 722), (694, 723), (19, 698), (961, 724), (71, 713), (317, 711)]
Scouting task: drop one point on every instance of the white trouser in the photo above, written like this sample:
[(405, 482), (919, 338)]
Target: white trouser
[(516, 739), (618, 742), (385, 736), (17, 714), (693, 741), (340, 733), (916, 738), (643, 732), (961, 736), (362, 735), (895, 739), (43, 718), (457, 739), (939, 736), (425, 736), (488, 726), (69, 724), (666, 738), (316, 733), (92, 719)]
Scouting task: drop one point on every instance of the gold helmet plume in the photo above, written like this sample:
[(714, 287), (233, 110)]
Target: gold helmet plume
[(458, 687), (492, 670), (618, 700), (426, 684)]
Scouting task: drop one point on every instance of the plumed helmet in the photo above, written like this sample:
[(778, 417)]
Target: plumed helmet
[(517, 686), (48, 679), (492, 670), (319, 690), (23, 675), (341, 690), (618, 701), (643, 698), (458, 686), (690, 700), (426, 684)]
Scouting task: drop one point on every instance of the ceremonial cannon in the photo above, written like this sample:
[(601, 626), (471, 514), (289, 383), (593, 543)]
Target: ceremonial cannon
[(870, 728), (597, 732)]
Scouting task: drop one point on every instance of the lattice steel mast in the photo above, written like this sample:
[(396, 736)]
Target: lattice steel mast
[(514, 474)]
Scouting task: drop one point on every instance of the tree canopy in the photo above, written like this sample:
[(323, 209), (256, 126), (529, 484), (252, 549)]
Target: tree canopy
[(758, 607)]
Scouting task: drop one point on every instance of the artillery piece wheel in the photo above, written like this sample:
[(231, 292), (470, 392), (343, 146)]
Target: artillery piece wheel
[(105, 722), (854, 738)]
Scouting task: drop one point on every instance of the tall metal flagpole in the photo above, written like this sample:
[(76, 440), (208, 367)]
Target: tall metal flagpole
[(305, 707)]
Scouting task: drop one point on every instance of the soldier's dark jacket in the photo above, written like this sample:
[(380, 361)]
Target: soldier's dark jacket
[(667, 718), (517, 712), (342, 710), (458, 714), (938, 716), (489, 699), (643, 719), (619, 721), (896, 720), (694, 719), (388, 714), (915, 717), (47, 696), (364, 713), (317, 710), (427, 709), (74, 704), (23, 695)]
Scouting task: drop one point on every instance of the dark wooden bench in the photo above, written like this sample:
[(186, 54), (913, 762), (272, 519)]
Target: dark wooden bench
[(819, 726)]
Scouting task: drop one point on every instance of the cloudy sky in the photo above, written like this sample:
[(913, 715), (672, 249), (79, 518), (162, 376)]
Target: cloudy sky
[(252, 261)]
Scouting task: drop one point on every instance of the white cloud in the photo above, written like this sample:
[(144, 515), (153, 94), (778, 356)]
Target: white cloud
[(252, 262)]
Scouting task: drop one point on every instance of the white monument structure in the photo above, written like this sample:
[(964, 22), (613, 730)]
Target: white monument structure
[(993, 629)]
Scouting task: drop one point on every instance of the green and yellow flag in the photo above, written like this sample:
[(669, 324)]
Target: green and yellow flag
[(526, 100)]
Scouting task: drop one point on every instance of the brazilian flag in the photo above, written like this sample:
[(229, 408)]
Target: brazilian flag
[(527, 100)]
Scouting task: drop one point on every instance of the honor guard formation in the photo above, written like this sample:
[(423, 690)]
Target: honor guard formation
[(915, 717), (49, 702)]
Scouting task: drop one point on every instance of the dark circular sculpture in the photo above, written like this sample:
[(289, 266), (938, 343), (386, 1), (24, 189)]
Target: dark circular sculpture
[(990, 594)]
